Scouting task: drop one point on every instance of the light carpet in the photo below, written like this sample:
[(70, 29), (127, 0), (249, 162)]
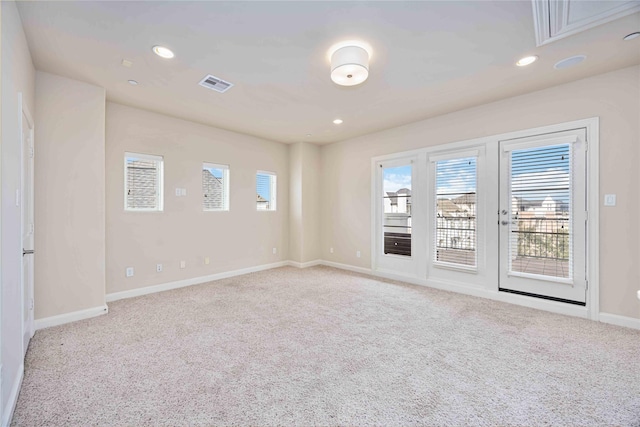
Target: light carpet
[(321, 346)]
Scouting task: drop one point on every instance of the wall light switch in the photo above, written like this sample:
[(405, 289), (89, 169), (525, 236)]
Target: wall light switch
[(358, 254), (178, 192), (275, 251), (183, 264), (183, 192), (129, 272), (207, 261), (609, 199), (331, 250)]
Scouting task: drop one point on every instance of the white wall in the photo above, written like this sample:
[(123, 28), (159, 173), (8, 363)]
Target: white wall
[(69, 196), (304, 201), (240, 238), (346, 170), (17, 76)]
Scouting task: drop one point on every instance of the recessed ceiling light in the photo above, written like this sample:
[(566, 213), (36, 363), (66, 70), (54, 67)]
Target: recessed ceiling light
[(133, 83), (308, 135), (631, 36), (337, 121), (569, 62), (163, 52), (527, 60)]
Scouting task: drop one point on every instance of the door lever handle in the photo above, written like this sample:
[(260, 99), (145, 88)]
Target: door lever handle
[(505, 222), (27, 252)]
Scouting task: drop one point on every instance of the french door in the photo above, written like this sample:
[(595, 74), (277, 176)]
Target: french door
[(396, 248), (493, 215), (542, 216)]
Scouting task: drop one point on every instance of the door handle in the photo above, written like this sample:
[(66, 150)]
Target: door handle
[(27, 252), (505, 222)]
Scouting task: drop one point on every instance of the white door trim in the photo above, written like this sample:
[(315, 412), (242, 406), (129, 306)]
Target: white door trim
[(23, 111)]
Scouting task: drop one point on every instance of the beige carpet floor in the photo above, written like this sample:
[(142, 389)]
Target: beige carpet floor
[(322, 346)]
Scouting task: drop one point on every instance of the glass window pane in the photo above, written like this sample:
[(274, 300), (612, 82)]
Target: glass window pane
[(456, 208), (396, 189)]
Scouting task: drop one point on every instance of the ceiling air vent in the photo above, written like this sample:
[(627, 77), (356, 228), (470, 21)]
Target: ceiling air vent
[(219, 85)]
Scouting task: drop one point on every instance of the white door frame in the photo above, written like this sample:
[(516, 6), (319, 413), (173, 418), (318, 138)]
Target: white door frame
[(27, 326)]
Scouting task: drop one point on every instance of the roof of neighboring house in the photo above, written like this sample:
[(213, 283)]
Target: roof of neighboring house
[(465, 199), (446, 206)]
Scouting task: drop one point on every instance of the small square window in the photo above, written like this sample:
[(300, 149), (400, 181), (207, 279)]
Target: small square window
[(143, 182), (215, 187), (266, 191)]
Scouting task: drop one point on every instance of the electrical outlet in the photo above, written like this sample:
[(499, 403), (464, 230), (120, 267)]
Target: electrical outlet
[(275, 251), (609, 199), (183, 264), (129, 272), (158, 268), (358, 254), (331, 250), (207, 261)]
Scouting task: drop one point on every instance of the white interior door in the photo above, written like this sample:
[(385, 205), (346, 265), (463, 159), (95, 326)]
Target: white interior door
[(542, 216), (28, 229)]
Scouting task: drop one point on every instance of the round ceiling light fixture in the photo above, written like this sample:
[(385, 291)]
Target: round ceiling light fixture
[(569, 62), (163, 52), (349, 63), (631, 36), (337, 122), (133, 82), (527, 60)]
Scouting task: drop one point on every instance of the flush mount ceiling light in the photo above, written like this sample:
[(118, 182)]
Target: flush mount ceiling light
[(133, 83), (569, 62), (527, 60), (163, 52), (631, 36), (349, 63), (337, 121)]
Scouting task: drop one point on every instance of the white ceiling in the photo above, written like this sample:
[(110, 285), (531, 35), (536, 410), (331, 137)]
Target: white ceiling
[(429, 58)]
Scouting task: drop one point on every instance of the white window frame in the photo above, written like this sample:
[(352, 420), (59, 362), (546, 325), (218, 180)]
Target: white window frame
[(273, 182), (225, 186), (159, 180)]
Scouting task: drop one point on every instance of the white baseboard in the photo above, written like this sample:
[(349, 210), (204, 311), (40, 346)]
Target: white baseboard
[(615, 319), (304, 264), (346, 267), (190, 282), (13, 398), (74, 316)]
